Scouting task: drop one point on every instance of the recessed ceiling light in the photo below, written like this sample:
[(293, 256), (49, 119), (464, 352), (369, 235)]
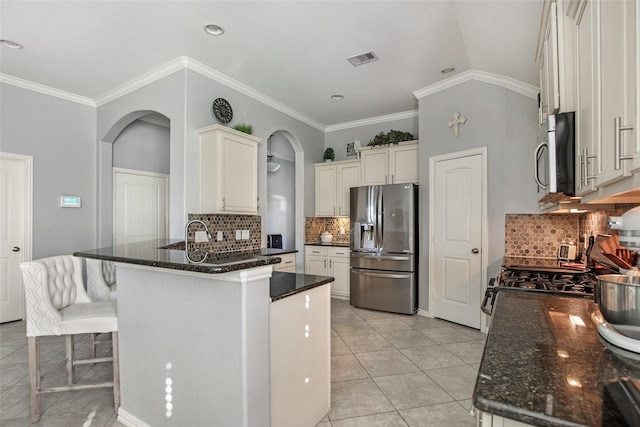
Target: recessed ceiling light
[(214, 30), (10, 44), (337, 97), (447, 70)]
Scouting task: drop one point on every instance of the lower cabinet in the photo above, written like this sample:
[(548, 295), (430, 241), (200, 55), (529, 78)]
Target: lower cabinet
[(300, 358), (329, 261), (287, 263)]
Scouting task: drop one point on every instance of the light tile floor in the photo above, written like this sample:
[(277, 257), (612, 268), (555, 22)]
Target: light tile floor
[(387, 370)]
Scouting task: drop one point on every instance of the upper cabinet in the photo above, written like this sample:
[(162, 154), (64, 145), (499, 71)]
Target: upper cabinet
[(333, 181), (555, 58), (607, 144), (228, 171), (395, 164)]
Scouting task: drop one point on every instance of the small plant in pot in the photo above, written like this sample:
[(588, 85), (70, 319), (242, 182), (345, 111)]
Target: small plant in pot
[(243, 127), (329, 155)]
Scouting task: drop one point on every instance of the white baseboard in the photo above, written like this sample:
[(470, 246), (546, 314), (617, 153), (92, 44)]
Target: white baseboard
[(129, 420), (340, 296)]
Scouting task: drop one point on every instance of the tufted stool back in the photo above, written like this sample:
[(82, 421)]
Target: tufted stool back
[(101, 280), (51, 284)]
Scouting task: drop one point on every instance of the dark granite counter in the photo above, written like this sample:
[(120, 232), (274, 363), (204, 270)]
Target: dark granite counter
[(336, 244), (544, 362), (165, 253), (285, 284)]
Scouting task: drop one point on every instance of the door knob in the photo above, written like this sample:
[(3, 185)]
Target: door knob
[(15, 249), (474, 251)]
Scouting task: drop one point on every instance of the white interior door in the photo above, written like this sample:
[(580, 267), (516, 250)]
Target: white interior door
[(140, 206), (15, 232), (457, 238)]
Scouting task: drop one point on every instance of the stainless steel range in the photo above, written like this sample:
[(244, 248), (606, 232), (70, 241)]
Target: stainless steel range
[(539, 275)]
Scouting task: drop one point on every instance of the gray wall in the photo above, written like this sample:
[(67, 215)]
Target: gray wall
[(503, 121), (60, 135), (339, 139), (143, 146)]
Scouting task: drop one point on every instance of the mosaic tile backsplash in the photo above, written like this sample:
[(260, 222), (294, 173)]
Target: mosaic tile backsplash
[(538, 235), (228, 224), (314, 226)]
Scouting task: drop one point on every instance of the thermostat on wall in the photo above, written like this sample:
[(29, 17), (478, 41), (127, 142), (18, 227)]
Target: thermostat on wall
[(70, 201)]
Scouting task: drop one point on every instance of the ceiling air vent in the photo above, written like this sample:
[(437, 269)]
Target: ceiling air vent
[(363, 58)]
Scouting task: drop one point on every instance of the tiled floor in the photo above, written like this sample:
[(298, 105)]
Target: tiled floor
[(387, 370)]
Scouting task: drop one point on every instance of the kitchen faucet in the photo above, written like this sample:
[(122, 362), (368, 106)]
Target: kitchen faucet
[(186, 240)]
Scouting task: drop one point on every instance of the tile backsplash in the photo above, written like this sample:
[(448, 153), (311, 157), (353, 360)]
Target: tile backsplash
[(316, 225), (228, 224), (528, 235), (538, 236)]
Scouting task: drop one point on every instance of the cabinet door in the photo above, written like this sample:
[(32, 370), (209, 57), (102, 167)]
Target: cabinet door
[(317, 265), (403, 164), (239, 175), (375, 166), (325, 186), (348, 176), (550, 55), (339, 269), (300, 358), (585, 100), (616, 86)]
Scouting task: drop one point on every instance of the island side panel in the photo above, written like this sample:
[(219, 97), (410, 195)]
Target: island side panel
[(203, 326)]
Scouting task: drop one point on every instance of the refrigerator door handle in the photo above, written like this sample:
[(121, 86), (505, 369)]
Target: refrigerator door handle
[(379, 220), (384, 275), (383, 257)]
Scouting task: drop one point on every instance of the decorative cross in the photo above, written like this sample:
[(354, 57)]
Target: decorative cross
[(458, 119)]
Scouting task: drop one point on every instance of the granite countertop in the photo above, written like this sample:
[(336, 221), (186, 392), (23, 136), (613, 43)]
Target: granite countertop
[(169, 253), (542, 367), (336, 244), (284, 284)]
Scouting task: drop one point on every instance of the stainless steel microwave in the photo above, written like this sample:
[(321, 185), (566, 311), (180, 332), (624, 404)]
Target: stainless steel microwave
[(555, 158)]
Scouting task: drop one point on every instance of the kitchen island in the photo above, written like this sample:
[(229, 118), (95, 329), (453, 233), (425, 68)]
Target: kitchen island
[(197, 340), (544, 363)]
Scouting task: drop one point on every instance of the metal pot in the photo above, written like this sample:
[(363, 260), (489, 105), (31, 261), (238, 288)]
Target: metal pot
[(618, 298)]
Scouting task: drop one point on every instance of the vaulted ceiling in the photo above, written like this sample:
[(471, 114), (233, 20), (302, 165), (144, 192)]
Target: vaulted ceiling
[(293, 52)]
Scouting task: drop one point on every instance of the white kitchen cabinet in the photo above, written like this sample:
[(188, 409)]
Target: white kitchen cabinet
[(287, 263), (330, 261), (395, 164), (616, 77), (228, 171), (300, 358), (555, 59), (608, 147), (333, 181), (585, 100)]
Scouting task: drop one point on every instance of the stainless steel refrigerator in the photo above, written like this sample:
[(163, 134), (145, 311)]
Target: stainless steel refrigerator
[(384, 247)]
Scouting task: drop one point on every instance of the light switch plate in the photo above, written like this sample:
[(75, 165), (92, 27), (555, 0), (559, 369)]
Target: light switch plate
[(201, 236), (238, 234), (245, 234)]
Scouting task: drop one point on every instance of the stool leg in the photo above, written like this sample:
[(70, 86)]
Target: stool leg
[(34, 377), (116, 371), (71, 357)]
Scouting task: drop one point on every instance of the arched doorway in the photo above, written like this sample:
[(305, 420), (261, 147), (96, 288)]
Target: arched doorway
[(286, 216), (134, 167)]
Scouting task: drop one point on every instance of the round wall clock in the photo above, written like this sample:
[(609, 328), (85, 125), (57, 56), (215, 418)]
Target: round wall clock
[(222, 110)]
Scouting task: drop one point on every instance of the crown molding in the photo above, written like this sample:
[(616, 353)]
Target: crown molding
[(145, 79), (202, 69), (373, 120), (46, 90), (481, 76)]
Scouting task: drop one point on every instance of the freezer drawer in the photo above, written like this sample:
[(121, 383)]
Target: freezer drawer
[(384, 261), (391, 291)]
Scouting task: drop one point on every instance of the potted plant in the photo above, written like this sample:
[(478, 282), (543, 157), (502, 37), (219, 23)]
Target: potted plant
[(243, 127), (393, 137), (329, 155)]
